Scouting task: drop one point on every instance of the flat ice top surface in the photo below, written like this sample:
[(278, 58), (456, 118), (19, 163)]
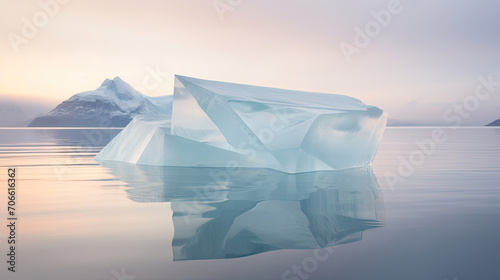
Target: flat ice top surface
[(275, 96)]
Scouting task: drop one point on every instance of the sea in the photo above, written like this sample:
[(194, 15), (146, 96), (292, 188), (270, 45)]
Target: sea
[(428, 208)]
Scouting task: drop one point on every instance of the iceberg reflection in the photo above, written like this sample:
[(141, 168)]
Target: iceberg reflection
[(222, 213)]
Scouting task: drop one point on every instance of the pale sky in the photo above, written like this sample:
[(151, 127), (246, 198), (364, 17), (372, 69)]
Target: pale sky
[(430, 51)]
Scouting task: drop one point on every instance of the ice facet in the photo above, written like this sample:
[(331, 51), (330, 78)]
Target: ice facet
[(216, 123), (220, 214)]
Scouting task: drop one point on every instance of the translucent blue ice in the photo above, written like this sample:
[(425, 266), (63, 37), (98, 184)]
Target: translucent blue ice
[(219, 213), (216, 124)]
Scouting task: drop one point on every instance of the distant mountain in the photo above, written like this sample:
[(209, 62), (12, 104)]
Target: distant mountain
[(19, 111), (495, 123), (115, 103), (12, 115)]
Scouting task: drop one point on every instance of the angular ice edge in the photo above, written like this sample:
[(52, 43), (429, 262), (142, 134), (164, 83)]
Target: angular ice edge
[(216, 124), (220, 213)]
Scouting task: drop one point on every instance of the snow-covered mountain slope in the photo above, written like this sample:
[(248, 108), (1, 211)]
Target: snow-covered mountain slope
[(113, 104)]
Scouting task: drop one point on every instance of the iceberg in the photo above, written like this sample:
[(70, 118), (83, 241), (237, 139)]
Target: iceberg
[(219, 214), (219, 124)]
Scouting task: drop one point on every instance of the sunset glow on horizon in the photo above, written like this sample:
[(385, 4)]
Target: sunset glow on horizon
[(423, 51)]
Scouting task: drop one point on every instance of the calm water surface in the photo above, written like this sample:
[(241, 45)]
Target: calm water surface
[(79, 219)]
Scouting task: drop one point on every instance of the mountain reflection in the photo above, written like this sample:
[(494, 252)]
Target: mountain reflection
[(224, 213)]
